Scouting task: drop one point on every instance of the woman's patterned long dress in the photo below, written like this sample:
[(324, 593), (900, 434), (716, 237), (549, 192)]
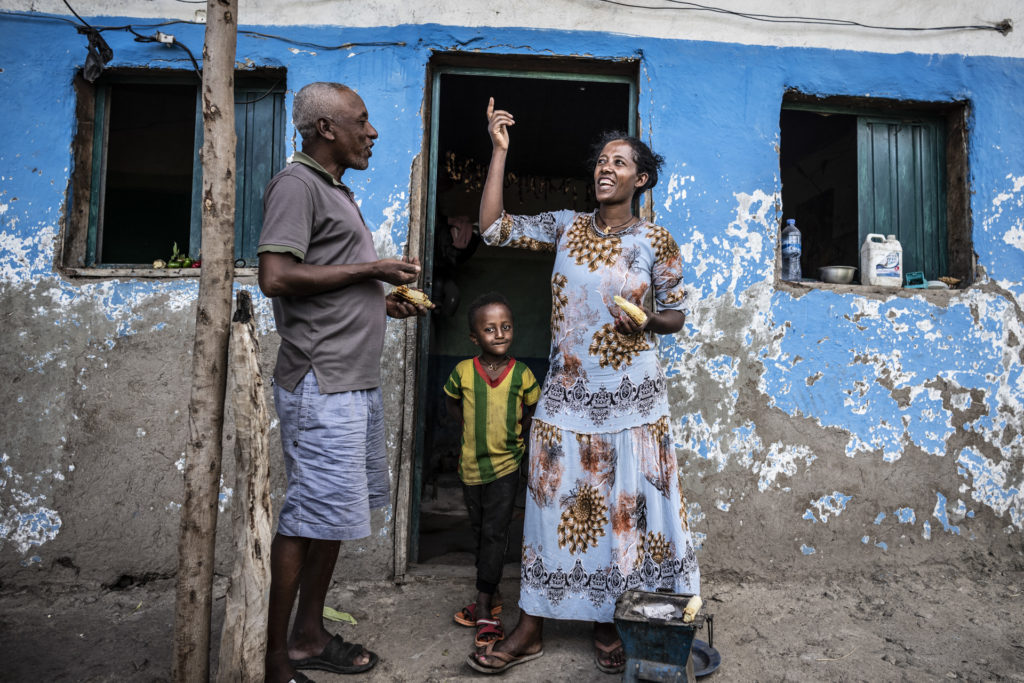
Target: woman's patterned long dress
[(605, 510)]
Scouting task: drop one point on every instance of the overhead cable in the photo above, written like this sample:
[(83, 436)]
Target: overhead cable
[(1003, 27)]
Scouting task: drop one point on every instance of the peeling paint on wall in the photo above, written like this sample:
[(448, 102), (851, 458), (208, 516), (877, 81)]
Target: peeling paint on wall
[(25, 521), (989, 486), (906, 515), (941, 513), (830, 504)]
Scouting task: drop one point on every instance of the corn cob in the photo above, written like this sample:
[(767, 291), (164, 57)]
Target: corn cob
[(691, 609), (633, 311), (413, 295)]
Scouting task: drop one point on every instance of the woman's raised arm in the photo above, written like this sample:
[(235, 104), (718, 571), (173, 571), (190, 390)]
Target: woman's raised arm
[(492, 203)]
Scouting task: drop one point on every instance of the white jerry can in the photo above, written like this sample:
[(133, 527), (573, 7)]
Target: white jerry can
[(881, 261)]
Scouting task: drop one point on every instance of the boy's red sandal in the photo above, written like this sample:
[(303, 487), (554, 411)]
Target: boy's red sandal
[(488, 631), (467, 615)]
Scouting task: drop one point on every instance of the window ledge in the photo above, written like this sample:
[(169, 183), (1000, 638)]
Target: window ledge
[(800, 288), (147, 273)]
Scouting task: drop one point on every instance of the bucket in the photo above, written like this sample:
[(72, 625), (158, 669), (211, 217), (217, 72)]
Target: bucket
[(881, 261)]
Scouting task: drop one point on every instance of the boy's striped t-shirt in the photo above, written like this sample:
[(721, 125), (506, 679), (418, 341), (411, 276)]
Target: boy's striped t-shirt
[(492, 417)]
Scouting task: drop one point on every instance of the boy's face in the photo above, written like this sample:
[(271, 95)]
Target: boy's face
[(492, 329)]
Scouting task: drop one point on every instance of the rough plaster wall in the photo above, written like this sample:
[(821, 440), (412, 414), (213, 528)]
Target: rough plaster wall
[(814, 429), (872, 423), (93, 435)]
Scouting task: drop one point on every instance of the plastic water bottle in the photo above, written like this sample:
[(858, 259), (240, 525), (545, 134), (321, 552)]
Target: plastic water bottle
[(791, 252)]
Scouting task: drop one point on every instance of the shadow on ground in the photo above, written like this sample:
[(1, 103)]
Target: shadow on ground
[(927, 624)]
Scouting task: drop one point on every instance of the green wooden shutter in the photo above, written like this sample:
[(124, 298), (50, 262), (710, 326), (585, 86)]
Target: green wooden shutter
[(901, 178), (259, 123), (259, 154), (97, 180), (195, 237)]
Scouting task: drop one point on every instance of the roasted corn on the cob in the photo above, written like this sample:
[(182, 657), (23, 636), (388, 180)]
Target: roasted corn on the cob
[(413, 295), (632, 310), (691, 609)]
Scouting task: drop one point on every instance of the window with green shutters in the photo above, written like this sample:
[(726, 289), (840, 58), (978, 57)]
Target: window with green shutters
[(259, 154), (901, 185), (851, 167), (137, 182)]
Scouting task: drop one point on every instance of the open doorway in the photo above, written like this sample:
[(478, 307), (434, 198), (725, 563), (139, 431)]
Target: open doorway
[(560, 107)]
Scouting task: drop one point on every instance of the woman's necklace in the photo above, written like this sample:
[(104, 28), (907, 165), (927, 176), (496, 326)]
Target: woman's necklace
[(613, 228), (494, 367)]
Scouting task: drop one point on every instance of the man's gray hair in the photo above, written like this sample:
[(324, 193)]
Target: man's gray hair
[(314, 102)]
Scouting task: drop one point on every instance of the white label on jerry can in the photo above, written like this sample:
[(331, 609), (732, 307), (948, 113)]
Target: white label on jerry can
[(890, 267)]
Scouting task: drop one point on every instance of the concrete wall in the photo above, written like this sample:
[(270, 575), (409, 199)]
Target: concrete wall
[(816, 428)]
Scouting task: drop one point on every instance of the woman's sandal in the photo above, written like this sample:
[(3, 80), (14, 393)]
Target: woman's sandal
[(488, 631), (505, 660), (467, 615), (607, 652)]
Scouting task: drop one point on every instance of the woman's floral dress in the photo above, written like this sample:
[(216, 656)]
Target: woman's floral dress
[(605, 511)]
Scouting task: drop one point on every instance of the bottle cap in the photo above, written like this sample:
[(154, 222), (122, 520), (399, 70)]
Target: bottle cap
[(890, 237), (790, 221)]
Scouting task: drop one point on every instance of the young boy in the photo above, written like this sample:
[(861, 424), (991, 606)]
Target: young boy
[(493, 396)]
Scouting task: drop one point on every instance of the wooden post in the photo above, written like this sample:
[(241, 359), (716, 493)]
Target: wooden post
[(209, 355), (243, 641), (407, 442)]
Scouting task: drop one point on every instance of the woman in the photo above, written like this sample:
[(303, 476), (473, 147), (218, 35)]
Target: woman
[(605, 510)]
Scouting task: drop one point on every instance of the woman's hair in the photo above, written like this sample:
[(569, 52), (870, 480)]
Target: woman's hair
[(485, 300), (312, 103), (646, 161)]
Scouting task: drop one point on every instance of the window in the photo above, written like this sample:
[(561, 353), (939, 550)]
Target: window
[(852, 167), (137, 181)]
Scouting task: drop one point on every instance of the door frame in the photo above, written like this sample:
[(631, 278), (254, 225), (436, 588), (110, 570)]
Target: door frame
[(421, 243)]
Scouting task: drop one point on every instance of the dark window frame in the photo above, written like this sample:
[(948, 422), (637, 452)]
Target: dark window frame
[(952, 118), (76, 253)]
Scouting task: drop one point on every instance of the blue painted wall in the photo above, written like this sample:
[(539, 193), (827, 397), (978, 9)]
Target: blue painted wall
[(812, 427)]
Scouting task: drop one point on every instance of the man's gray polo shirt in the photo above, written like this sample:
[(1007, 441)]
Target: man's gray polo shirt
[(340, 334)]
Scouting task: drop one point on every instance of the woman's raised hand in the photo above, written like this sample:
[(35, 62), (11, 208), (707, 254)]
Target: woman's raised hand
[(492, 200), (498, 122)]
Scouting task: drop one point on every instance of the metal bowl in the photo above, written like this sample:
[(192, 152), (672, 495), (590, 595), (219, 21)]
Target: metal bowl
[(839, 275)]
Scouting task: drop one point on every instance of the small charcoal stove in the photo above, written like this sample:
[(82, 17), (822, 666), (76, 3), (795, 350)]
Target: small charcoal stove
[(656, 641)]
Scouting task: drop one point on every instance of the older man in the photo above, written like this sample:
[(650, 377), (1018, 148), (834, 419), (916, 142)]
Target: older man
[(318, 262)]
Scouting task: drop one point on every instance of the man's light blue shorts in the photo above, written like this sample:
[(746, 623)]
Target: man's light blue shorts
[(335, 459)]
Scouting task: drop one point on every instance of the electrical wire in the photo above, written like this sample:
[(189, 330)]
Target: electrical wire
[(316, 46), (270, 91), (139, 38), (134, 28), (38, 15), (84, 22), (1002, 27), (94, 33), (98, 54)]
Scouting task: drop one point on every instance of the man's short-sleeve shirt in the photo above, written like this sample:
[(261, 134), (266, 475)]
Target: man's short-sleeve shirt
[(340, 333)]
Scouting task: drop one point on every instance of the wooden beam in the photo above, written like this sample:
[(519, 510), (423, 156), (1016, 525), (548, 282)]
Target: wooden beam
[(210, 350), (243, 641)]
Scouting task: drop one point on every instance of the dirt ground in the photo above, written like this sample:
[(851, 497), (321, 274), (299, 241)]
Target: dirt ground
[(929, 623)]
